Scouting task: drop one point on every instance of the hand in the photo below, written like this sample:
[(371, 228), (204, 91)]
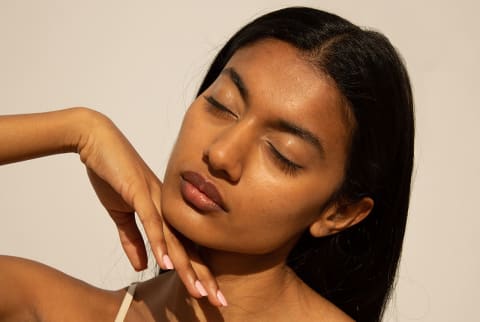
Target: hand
[(125, 185)]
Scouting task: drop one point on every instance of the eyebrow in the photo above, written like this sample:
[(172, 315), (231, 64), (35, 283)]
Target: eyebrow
[(289, 127), (237, 80)]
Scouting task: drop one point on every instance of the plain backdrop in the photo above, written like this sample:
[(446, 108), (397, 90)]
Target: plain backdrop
[(140, 63)]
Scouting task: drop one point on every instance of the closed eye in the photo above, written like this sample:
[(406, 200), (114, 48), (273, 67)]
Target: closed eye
[(218, 108), (286, 165)]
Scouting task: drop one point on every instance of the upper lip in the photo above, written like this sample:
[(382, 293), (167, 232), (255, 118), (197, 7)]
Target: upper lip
[(205, 186)]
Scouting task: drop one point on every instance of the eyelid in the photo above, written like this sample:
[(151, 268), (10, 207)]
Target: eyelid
[(210, 99), (288, 166)]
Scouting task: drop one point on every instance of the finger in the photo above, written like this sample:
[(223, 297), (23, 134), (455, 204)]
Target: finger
[(182, 265), (131, 239), (153, 225), (205, 276), (186, 272)]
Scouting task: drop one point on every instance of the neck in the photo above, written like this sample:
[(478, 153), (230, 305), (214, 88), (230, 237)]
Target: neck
[(253, 285), (248, 276)]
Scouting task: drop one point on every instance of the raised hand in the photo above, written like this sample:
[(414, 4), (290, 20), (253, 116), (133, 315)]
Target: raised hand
[(123, 182), (125, 185)]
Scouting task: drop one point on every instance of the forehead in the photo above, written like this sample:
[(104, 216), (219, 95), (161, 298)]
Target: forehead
[(278, 65), (281, 80), (278, 70)]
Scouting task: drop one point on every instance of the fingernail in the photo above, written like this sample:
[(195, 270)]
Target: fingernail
[(221, 298), (200, 288), (167, 262)]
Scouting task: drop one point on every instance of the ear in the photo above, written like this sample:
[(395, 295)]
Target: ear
[(336, 218)]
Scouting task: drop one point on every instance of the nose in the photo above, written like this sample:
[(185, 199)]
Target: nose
[(227, 153)]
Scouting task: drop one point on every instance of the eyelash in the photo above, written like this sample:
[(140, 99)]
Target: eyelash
[(285, 164), (218, 108)]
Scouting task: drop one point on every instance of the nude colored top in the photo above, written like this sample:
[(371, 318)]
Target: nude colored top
[(127, 300)]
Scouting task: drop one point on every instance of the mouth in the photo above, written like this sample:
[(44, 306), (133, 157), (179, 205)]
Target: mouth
[(200, 193)]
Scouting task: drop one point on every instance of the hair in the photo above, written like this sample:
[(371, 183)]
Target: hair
[(355, 269)]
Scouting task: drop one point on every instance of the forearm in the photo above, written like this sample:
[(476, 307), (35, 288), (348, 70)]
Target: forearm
[(31, 136)]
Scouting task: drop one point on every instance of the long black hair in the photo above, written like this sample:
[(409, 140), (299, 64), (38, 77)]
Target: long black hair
[(355, 269)]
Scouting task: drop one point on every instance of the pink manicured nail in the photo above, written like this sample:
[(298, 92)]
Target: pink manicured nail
[(200, 288), (221, 298), (167, 262)]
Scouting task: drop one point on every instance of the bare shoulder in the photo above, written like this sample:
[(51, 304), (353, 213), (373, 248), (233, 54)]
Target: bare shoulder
[(321, 309), (30, 291), (332, 313)]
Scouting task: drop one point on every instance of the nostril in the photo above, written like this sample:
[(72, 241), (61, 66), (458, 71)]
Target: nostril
[(220, 167), (205, 157), (220, 173)]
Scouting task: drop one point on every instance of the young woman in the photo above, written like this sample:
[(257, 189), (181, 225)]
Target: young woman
[(285, 197)]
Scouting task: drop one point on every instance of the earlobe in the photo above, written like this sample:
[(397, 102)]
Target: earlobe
[(337, 218)]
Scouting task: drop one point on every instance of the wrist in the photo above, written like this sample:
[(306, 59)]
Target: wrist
[(80, 125), (88, 129)]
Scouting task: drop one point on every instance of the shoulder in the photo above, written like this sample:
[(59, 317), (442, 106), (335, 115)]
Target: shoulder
[(318, 308), (30, 291)]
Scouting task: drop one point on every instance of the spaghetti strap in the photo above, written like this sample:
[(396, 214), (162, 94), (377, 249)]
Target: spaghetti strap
[(122, 312)]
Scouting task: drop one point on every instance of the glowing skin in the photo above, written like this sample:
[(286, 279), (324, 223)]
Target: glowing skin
[(233, 135), (259, 155)]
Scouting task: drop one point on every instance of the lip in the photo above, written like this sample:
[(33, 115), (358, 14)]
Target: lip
[(201, 193)]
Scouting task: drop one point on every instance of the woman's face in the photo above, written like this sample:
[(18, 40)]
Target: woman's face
[(259, 154)]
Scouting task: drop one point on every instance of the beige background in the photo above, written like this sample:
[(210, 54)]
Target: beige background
[(140, 62)]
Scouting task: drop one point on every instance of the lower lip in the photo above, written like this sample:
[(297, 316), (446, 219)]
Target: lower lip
[(197, 199)]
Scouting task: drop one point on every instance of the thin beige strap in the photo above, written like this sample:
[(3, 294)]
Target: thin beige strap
[(122, 312)]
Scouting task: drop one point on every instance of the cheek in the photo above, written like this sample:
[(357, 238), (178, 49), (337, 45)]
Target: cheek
[(190, 132), (274, 210), (190, 141)]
